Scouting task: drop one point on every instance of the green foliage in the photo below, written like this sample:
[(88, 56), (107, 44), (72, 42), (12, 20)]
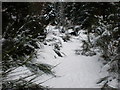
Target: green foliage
[(100, 20), (21, 85), (23, 27), (107, 40), (42, 67)]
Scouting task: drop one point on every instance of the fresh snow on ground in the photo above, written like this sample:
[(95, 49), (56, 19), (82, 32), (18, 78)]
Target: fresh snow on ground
[(75, 71), (72, 70)]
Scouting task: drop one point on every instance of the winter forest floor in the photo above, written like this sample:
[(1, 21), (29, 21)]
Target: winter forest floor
[(72, 70), (75, 71)]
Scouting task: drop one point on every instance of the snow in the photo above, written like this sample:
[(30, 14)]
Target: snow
[(72, 71), (18, 73), (76, 71), (113, 83), (13, 17), (70, 30)]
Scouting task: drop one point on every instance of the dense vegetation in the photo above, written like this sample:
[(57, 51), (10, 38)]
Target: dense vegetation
[(101, 22), (23, 26), (23, 29)]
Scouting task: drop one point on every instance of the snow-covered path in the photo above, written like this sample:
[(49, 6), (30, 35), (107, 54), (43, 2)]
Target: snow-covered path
[(75, 71)]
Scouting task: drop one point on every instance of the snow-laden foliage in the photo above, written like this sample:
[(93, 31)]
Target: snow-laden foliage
[(28, 27), (55, 39), (23, 31), (101, 23), (103, 34)]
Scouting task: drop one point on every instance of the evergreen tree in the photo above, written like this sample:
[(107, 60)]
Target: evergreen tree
[(23, 27), (101, 21)]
